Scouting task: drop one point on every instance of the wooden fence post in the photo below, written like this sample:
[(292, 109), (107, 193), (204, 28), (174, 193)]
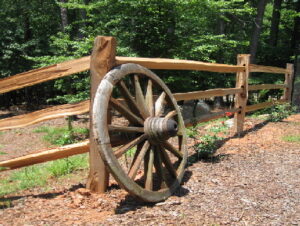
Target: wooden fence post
[(241, 99), (289, 76), (102, 60)]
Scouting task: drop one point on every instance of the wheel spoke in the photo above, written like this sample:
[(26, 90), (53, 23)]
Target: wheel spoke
[(166, 160), (172, 149), (140, 98), (149, 98), (137, 152), (149, 175), (171, 114), (159, 104), (180, 140), (128, 146), (137, 161), (128, 129), (159, 169), (129, 98), (125, 112)]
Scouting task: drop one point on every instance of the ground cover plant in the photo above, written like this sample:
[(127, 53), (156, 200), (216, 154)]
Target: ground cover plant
[(292, 138), (276, 113), (205, 145), (62, 135), (38, 175)]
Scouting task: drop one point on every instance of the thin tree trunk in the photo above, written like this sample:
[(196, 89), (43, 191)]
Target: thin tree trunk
[(257, 29), (64, 16), (296, 85), (295, 42), (275, 22)]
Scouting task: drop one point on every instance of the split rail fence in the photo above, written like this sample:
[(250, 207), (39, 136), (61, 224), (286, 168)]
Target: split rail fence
[(99, 63)]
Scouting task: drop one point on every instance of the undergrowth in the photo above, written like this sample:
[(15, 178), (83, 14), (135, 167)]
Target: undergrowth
[(206, 145), (277, 112), (292, 138), (62, 135), (37, 175)]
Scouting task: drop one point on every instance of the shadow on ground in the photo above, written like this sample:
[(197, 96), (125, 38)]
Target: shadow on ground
[(130, 203), (7, 202)]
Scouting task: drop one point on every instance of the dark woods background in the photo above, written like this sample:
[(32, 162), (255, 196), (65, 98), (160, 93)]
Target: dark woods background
[(36, 33)]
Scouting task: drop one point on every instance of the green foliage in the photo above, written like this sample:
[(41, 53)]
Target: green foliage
[(29, 177), (292, 138), (67, 165), (280, 112), (130, 152), (32, 36), (37, 175), (275, 113), (62, 135), (206, 145)]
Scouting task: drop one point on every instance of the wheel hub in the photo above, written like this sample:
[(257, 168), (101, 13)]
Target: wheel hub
[(160, 129)]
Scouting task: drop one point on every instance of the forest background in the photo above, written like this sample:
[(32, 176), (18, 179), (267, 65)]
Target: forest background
[(37, 33)]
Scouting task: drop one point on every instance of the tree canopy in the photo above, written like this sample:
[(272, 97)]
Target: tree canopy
[(37, 33)]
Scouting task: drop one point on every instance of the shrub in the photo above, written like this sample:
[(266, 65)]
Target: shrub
[(280, 112)]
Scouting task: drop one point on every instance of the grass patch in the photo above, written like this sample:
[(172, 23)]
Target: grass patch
[(1, 152), (37, 175), (292, 138), (62, 135), (130, 152)]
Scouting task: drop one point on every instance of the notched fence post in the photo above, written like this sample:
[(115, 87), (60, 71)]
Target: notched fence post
[(241, 99), (289, 76), (102, 60)]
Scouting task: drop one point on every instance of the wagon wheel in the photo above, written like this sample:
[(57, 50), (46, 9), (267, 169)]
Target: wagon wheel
[(133, 107)]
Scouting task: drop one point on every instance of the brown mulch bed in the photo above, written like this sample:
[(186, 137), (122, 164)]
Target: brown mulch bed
[(253, 179)]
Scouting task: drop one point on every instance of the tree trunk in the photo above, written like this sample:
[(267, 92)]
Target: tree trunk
[(295, 42), (275, 22), (296, 86), (64, 16), (257, 29), (295, 46)]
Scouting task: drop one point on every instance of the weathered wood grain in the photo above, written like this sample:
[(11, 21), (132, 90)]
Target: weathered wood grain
[(174, 64), (241, 99), (47, 155), (267, 86), (289, 77), (44, 74), (263, 105), (267, 69), (102, 60), (45, 114), (206, 94)]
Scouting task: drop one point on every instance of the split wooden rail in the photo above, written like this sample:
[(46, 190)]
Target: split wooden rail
[(102, 60)]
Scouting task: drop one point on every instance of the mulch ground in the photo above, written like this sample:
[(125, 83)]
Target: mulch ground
[(253, 179)]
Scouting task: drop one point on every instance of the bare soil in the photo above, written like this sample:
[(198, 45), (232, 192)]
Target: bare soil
[(253, 179)]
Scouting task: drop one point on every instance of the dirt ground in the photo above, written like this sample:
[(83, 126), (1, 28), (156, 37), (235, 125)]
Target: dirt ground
[(253, 179)]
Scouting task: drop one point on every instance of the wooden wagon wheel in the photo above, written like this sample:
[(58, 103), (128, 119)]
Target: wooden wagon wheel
[(133, 107)]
